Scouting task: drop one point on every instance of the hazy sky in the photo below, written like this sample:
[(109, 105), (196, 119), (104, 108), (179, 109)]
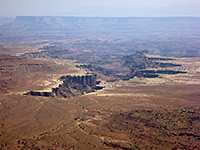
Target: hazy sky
[(154, 8)]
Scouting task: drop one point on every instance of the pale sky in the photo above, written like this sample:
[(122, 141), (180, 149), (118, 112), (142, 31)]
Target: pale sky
[(93, 8)]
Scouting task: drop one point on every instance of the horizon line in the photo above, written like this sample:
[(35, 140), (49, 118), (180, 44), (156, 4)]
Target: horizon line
[(101, 16)]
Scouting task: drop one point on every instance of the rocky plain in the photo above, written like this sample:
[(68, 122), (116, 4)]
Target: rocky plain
[(67, 84)]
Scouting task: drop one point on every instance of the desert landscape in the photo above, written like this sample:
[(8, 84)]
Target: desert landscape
[(67, 84)]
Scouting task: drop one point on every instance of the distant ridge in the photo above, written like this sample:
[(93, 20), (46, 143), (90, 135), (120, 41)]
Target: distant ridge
[(4, 20), (174, 36), (103, 24)]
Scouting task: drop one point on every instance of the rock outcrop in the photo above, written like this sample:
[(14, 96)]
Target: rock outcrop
[(153, 73), (36, 93), (76, 85), (139, 65), (140, 61), (47, 52), (72, 86)]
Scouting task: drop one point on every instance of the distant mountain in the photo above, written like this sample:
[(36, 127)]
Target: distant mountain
[(168, 36), (4, 20), (103, 24)]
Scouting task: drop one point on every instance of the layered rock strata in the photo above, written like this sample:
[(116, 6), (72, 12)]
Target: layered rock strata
[(72, 86)]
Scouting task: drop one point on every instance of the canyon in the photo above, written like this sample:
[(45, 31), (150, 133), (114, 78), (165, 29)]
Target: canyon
[(100, 83)]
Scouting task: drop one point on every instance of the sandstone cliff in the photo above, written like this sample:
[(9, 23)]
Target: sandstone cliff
[(71, 86), (75, 85)]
